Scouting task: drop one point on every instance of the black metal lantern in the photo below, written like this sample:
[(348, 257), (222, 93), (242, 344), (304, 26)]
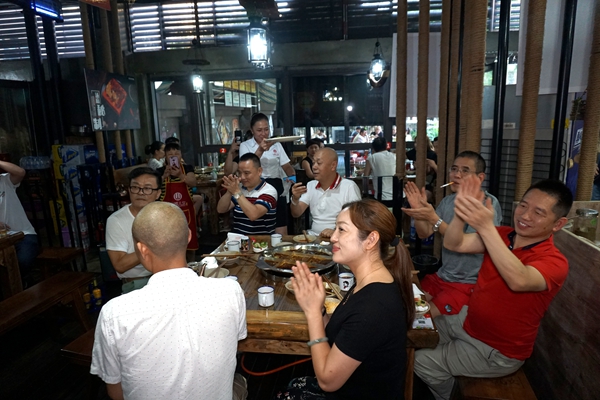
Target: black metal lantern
[(379, 70), (259, 45)]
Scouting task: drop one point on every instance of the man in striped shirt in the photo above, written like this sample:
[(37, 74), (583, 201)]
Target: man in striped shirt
[(254, 202)]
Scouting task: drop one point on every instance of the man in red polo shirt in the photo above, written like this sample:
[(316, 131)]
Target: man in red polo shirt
[(521, 273)]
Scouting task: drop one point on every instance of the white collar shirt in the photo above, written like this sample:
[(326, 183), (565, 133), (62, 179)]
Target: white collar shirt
[(271, 160), (326, 204), (176, 338)]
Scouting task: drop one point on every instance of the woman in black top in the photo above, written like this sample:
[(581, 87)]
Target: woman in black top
[(360, 353), (307, 162)]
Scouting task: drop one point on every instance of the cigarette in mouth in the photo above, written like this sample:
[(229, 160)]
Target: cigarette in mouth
[(447, 184)]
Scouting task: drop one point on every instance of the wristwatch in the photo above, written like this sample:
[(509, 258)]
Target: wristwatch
[(437, 225), (237, 195)]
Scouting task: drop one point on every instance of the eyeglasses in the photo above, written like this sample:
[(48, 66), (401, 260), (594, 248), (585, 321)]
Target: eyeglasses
[(142, 190), (463, 171)]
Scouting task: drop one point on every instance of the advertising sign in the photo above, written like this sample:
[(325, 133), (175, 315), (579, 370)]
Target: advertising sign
[(113, 101)]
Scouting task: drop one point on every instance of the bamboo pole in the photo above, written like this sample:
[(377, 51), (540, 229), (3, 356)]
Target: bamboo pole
[(531, 85), (118, 64), (453, 104), (401, 56), (107, 65), (475, 68), (423, 86), (90, 64), (591, 125)]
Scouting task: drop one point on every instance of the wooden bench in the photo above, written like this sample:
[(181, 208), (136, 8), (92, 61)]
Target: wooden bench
[(54, 258), (79, 351), (512, 387), (64, 287)]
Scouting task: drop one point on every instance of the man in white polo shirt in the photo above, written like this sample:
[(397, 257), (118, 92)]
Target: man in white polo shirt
[(144, 188), (325, 195)]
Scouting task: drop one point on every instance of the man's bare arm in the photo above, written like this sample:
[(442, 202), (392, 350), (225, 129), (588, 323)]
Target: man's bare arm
[(115, 391), (121, 261), (16, 173)]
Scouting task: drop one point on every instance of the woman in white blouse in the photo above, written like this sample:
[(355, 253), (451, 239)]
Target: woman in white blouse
[(156, 151), (273, 158)]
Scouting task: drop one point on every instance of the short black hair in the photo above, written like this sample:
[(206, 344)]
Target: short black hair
[(251, 157), (379, 144), (559, 191), (137, 172), (315, 142), (172, 146), (479, 161), (172, 139)]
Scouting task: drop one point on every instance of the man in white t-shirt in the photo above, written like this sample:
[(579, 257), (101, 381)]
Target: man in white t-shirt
[(381, 163), (361, 137), (177, 337), (144, 188), (326, 195), (13, 217)]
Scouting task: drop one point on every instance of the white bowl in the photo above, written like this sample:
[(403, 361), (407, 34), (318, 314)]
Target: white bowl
[(221, 274)]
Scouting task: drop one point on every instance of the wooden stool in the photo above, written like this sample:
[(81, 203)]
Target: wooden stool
[(56, 257), (511, 387)]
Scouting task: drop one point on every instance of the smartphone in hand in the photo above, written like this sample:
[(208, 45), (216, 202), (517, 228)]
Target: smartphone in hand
[(238, 136), (174, 162)]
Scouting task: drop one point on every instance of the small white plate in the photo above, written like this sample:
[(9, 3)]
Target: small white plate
[(229, 260), (284, 244)]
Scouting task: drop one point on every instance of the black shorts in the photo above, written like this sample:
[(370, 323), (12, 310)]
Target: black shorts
[(282, 206)]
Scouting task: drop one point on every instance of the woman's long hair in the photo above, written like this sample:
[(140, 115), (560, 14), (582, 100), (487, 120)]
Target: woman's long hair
[(153, 148), (370, 215)]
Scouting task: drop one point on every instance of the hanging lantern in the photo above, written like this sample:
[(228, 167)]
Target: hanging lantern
[(197, 82), (259, 45), (379, 70)]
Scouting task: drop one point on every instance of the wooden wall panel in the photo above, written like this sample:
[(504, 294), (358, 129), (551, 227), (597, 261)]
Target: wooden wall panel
[(565, 363)]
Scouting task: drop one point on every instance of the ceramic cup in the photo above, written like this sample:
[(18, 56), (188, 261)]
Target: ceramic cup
[(275, 239), (346, 280), (233, 245), (245, 243), (266, 296)]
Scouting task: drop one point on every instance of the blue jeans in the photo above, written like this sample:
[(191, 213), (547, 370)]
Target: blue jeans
[(596, 191), (27, 250)]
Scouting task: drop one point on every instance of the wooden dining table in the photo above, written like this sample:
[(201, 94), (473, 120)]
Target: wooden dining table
[(282, 328), (10, 276)]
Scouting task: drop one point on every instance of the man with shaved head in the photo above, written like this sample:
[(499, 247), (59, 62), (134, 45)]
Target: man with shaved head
[(176, 337), (325, 195)]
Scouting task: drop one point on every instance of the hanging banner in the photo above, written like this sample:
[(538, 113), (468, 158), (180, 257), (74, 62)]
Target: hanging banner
[(113, 101)]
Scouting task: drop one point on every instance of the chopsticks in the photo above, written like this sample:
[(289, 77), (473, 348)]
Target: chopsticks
[(336, 291), (306, 236)]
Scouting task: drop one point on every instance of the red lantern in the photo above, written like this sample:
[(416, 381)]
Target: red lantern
[(222, 150)]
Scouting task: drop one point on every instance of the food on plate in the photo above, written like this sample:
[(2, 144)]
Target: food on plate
[(259, 246), (331, 304), (115, 95), (421, 305), (302, 239)]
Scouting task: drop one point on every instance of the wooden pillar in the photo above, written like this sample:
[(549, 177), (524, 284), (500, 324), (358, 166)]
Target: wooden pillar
[(475, 69), (531, 86), (454, 103), (591, 124), (443, 111), (401, 56), (422, 93), (464, 80)]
